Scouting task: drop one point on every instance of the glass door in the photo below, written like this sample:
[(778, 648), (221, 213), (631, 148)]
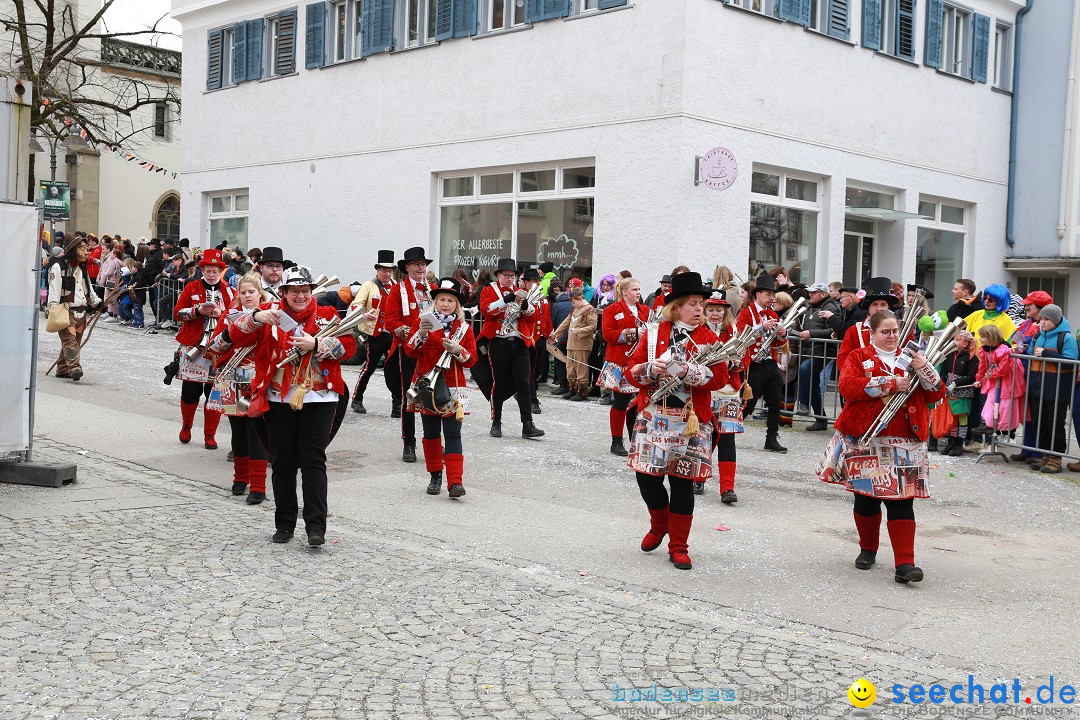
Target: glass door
[(859, 239)]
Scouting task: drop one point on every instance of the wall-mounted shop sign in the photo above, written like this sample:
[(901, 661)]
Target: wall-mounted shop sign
[(717, 169)]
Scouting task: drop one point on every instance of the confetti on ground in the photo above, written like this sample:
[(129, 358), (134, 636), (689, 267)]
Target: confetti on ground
[(722, 528)]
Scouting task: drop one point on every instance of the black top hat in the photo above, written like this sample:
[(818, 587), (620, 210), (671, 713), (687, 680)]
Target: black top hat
[(531, 274), (271, 254), (413, 253), (448, 285), (879, 288), (687, 283), (506, 264), (764, 282), (386, 259), (912, 287)]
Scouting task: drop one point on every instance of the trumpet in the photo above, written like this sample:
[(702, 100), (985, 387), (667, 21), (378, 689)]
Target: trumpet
[(733, 349), (794, 313), (939, 346), (513, 311), (652, 321), (432, 376), (209, 323), (912, 313), (339, 327)]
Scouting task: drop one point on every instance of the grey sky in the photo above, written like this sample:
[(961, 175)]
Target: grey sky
[(127, 15)]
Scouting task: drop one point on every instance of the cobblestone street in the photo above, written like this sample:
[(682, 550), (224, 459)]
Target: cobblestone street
[(143, 591)]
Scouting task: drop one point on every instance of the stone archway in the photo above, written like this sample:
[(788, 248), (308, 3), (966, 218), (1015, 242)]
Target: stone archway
[(167, 218)]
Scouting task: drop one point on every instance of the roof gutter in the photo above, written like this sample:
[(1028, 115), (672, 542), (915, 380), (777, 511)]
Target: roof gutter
[(1010, 238)]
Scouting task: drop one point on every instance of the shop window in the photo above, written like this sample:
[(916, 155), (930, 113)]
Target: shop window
[(228, 219), (942, 233), (784, 213)]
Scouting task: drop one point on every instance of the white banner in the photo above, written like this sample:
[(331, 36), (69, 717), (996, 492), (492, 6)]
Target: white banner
[(18, 303)]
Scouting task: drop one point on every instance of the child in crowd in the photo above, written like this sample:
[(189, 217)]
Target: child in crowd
[(1001, 381), (959, 370)]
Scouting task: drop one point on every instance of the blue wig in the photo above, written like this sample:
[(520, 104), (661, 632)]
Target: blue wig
[(1000, 294)]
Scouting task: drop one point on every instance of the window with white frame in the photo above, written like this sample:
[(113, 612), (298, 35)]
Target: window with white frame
[(417, 22), (765, 7), (228, 219), (939, 255), (584, 6), (533, 214), (784, 212), (280, 43), (956, 44), (226, 56), (1003, 56), (898, 28), (503, 14), (343, 30)]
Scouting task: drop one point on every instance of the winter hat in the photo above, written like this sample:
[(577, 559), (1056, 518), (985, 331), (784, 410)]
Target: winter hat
[(1052, 313), (1039, 298)]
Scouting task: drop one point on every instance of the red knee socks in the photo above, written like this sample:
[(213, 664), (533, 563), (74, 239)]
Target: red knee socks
[(433, 457), (616, 419), (902, 536), (211, 418), (241, 468), (869, 527), (658, 527), (727, 476), (187, 416), (455, 469), (256, 476)]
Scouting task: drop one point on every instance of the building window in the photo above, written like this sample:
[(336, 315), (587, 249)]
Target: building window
[(228, 219), (504, 14), (533, 214), (784, 211), (942, 231), (161, 120), (1003, 57), (765, 7), (956, 42), (219, 58), (280, 42), (1057, 287), (418, 22), (167, 219), (344, 30), (898, 28)]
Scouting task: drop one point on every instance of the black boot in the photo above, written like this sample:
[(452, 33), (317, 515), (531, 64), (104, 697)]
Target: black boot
[(773, 445), (932, 444), (409, 453), (617, 447), (358, 406), (866, 559), (396, 412), (535, 407), (530, 431), (908, 574), (496, 429), (435, 486), (699, 487)]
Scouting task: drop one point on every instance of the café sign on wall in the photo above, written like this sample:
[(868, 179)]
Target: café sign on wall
[(716, 169)]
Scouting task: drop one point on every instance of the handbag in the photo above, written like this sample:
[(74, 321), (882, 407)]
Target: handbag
[(59, 319), (259, 404), (941, 419)]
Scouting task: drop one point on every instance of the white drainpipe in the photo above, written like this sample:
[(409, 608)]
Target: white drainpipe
[(1068, 164)]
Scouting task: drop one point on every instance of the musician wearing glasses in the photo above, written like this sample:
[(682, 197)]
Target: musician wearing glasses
[(198, 308), (674, 429), (272, 264), (623, 326), (761, 361), (508, 327), (442, 355), (881, 459)]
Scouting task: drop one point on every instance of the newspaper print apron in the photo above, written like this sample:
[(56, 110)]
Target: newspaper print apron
[(890, 468), (727, 411), (612, 378)]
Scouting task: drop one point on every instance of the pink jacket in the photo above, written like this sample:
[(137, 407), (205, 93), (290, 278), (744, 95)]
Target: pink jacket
[(1001, 366)]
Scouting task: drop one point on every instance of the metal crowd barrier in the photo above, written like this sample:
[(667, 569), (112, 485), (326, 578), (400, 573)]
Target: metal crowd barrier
[(168, 291), (1048, 401), (810, 378)]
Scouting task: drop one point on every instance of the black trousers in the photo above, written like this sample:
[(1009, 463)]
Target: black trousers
[(542, 369), (1051, 429), (406, 368), (448, 426), (765, 381), (245, 441), (377, 348), (190, 391), (897, 509), (655, 494), (511, 370), (299, 440)]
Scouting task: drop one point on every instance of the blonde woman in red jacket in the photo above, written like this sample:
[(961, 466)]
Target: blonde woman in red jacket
[(302, 396), (674, 437), (441, 417), (894, 469), (623, 323)]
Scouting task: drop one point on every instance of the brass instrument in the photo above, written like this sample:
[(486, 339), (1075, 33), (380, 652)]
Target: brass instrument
[(339, 327), (430, 380), (213, 296), (652, 321), (912, 313), (733, 349), (939, 347), (513, 310), (794, 313)]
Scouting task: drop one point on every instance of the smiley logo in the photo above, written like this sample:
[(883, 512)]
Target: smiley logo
[(862, 693)]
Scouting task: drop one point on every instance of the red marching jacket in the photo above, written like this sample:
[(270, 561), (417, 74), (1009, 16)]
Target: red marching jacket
[(540, 321), (428, 353), (272, 345), (860, 368), (858, 336), (194, 293), (701, 394), (396, 315), (493, 309), (619, 317), (752, 317)]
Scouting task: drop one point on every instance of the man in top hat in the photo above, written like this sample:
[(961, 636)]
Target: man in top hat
[(878, 298), (410, 299), (509, 342), (763, 375), (371, 296), (542, 327), (271, 265), (823, 319), (70, 285)]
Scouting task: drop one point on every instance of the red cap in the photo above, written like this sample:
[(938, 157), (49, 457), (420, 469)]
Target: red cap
[(212, 257), (1039, 298), (575, 282)]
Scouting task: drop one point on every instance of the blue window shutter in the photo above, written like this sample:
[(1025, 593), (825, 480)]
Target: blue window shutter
[(836, 22), (464, 18), (444, 19), (534, 11), (315, 35), (871, 24), (981, 51), (797, 11), (285, 52), (255, 48), (239, 57), (213, 60), (608, 4), (378, 26), (935, 11), (905, 29), (537, 10)]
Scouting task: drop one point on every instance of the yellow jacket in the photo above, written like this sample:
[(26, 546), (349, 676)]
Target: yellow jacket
[(978, 319)]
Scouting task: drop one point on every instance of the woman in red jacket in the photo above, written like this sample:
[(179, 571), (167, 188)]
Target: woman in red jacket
[(894, 469), (623, 323), (727, 402), (674, 437), (230, 394), (197, 310), (302, 395), (440, 414)]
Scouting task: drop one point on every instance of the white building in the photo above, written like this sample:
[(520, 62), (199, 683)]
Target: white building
[(869, 138)]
